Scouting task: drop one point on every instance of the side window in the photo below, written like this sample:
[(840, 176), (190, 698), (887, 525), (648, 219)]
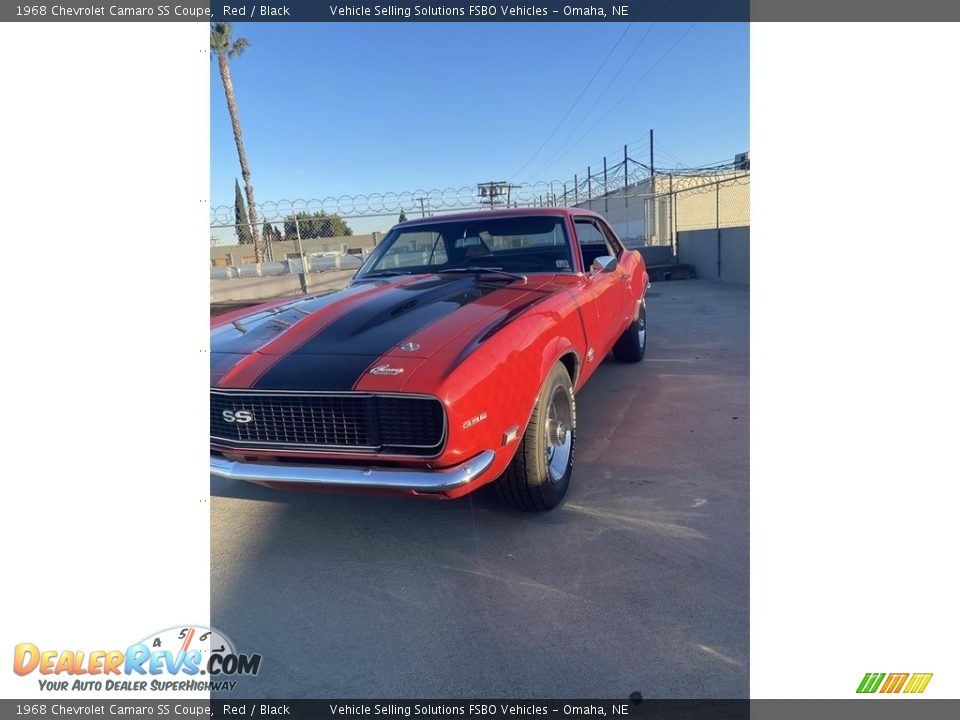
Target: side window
[(594, 241), (613, 242)]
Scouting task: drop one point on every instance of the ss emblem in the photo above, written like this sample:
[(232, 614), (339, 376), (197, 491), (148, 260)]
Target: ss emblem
[(240, 416)]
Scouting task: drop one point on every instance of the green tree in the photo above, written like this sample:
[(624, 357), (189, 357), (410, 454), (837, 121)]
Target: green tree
[(224, 48), (240, 216), (270, 233), (315, 225)]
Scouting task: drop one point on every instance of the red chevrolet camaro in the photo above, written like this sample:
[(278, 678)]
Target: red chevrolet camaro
[(451, 361)]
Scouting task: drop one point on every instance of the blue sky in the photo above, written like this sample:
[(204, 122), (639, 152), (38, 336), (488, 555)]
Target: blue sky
[(333, 109)]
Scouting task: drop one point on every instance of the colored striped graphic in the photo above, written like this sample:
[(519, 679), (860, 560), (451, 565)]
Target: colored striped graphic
[(918, 683), (870, 682), (894, 682)]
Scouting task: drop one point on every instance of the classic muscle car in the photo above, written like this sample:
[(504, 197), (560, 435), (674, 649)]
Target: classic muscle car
[(451, 361)]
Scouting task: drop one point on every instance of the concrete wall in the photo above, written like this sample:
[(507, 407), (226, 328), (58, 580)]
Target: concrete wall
[(699, 248), (656, 254), (220, 254), (264, 288), (637, 218), (624, 211)]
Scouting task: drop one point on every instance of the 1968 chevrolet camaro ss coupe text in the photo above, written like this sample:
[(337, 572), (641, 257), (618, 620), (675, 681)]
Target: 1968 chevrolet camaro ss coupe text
[(450, 361)]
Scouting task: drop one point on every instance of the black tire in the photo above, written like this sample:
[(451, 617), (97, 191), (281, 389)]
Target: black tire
[(539, 475), (631, 346)]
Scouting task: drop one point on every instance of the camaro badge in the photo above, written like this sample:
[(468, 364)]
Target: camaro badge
[(386, 370), (410, 346)]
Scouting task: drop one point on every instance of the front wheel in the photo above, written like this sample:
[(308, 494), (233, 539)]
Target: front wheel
[(631, 346), (538, 477)]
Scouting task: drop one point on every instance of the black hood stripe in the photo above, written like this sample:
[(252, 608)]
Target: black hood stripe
[(340, 353), (485, 332)]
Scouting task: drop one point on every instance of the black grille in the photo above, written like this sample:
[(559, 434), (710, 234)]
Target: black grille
[(350, 421)]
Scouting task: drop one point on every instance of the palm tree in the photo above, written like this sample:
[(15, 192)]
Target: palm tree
[(225, 48)]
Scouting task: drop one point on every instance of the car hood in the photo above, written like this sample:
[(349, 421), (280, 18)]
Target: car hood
[(327, 342)]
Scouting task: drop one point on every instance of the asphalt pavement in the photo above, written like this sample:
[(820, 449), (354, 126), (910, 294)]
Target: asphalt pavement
[(638, 582)]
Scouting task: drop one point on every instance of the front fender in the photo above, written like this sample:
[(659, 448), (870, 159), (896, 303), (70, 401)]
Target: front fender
[(559, 348), (490, 396)]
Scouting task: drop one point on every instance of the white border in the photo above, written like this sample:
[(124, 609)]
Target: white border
[(105, 167), (854, 380)]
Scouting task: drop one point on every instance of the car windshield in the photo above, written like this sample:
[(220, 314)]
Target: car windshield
[(525, 244)]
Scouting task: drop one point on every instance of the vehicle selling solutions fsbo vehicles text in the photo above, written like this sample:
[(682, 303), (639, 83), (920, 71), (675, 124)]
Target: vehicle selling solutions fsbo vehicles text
[(393, 11)]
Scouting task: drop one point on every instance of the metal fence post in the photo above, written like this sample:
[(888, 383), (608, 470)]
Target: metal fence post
[(626, 196), (589, 190), (719, 248), (268, 247), (576, 190), (606, 200), (676, 221), (673, 234), (303, 262)]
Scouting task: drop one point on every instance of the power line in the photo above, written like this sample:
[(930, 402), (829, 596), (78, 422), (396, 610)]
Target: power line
[(572, 106), (625, 95), (617, 74), (669, 154)]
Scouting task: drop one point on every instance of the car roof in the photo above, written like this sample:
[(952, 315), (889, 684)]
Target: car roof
[(501, 213)]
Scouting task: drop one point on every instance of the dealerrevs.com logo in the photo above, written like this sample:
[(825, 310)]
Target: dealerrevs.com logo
[(911, 683), (185, 658)]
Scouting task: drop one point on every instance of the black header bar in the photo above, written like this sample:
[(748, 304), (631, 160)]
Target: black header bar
[(872, 708), (404, 11)]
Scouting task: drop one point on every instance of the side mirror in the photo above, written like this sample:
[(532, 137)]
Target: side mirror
[(603, 264)]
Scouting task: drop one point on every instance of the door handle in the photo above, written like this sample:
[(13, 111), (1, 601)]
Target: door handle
[(624, 276)]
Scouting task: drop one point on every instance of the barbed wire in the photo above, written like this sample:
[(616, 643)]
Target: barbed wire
[(553, 193)]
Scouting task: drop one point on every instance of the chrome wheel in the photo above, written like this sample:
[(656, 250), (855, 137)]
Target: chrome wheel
[(558, 432), (539, 474), (642, 328)]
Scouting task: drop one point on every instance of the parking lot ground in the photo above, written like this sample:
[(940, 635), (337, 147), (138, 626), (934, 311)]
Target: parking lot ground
[(639, 582)]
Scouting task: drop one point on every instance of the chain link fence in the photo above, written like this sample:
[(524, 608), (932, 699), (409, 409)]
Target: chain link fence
[(299, 241)]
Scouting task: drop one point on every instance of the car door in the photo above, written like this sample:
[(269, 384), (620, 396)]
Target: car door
[(606, 290), (626, 268)]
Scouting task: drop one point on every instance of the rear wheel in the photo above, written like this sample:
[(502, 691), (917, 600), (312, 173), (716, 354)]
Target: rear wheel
[(631, 346), (538, 477)]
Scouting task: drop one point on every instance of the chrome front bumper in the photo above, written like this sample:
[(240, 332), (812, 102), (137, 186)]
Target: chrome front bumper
[(402, 479)]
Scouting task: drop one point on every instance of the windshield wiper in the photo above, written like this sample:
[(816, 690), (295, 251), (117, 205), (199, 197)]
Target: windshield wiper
[(484, 271), (384, 273)]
